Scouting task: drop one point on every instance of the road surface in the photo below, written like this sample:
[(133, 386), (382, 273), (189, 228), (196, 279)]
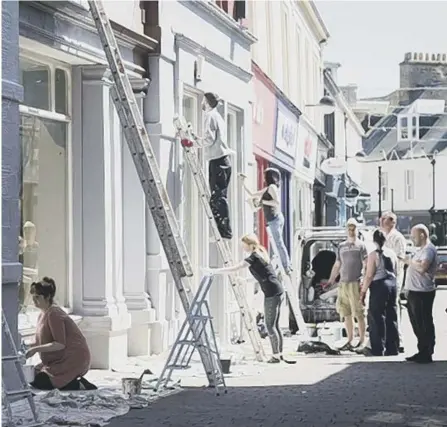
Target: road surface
[(319, 391)]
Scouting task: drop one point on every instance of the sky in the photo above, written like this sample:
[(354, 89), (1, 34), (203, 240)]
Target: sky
[(369, 38)]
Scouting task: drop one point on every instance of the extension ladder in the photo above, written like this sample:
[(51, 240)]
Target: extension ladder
[(25, 392), (188, 138), (291, 291), (148, 171), (197, 322)]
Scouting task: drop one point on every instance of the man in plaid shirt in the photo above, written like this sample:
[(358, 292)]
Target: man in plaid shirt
[(397, 243)]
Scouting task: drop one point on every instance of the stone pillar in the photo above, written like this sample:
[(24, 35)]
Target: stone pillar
[(158, 117), (105, 317), (12, 95), (135, 230)]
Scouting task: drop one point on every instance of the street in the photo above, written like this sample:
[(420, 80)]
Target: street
[(319, 391)]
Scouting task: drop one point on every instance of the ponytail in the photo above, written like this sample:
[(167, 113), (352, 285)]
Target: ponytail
[(263, 252)]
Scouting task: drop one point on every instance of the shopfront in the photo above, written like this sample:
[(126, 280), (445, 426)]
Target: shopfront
[(264, 122), (286, 139), (304, 175), (82, 209)]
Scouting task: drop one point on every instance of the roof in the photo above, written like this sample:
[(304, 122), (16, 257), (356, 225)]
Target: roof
[(384, 138)]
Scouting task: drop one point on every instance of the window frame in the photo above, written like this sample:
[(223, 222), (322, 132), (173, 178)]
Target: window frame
[(198, 251), (384, 184), (269, 38), (53, 64), (285, 51), (409, 184)]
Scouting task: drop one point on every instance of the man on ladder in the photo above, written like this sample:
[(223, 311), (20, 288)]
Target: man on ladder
[(151, 180)]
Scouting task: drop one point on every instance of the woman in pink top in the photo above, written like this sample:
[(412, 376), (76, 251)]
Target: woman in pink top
[(62, 347)]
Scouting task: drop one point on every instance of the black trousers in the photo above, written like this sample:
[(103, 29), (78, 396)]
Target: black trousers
[(219, 179), (420, 311), (382, 318), (42, 382)]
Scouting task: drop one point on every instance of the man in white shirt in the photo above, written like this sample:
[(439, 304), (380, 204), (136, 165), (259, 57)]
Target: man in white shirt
[(397, 243)]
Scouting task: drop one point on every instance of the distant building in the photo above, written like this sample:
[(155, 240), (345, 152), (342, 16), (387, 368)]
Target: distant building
[(404, 141)]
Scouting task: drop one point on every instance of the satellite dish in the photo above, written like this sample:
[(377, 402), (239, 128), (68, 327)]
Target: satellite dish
[(334, 166)]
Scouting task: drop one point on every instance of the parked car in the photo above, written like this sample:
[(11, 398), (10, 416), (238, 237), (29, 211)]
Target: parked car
[(315, 257), (441, 273)]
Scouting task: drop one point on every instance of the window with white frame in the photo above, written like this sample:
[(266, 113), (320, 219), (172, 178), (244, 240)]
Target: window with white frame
[(409, 185), (299, 78), (45, 199), (384, 187), (285, 49), (269, 37), (408, 127), (234, 140), (190, 199)]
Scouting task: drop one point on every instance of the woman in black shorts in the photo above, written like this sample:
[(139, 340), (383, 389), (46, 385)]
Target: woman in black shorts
[(258, 262)]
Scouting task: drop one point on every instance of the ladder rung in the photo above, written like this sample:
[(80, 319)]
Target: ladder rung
[(12, 358), (15, 393)]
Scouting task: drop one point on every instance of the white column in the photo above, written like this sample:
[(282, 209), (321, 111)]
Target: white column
[(105, 318), (134, 244)]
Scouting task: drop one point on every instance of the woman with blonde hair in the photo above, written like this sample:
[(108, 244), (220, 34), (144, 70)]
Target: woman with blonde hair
[(258, 262)]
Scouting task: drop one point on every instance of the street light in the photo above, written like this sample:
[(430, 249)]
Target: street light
[(327, 105)]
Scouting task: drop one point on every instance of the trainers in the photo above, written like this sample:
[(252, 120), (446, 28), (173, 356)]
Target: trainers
[(424, 359), (412, 358), (274, 360)]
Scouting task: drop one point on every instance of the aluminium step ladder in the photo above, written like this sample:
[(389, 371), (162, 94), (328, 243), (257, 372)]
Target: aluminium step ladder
[(188, 139), (148, 171), (25, 391), (197, 322), (291, 291)]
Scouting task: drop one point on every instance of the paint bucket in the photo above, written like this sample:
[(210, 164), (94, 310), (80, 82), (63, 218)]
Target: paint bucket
[(29, 373), (225, 363), (132, 386)]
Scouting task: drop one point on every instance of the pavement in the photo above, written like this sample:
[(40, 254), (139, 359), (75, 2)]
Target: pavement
[(347, 390)]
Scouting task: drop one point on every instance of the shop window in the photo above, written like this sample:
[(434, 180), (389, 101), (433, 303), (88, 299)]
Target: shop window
[(45, 248), (35, 79), (43, 241), (61, 91)]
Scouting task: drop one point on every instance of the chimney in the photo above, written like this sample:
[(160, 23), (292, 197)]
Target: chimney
[(332, 67), (350, 94), (421, 69)]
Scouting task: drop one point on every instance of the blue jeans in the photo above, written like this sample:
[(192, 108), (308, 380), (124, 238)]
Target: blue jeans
[(276, 226), (382, 318)]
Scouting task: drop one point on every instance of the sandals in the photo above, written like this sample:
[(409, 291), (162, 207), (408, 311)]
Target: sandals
[(281, 359), (289, 362)]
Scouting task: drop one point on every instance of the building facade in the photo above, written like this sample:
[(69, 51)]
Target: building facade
[(344, 130), (290, 57), (202, 49), (78, 201), (406, 149), (82, 217)]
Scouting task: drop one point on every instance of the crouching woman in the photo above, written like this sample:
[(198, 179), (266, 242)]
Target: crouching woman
[(62, 348)]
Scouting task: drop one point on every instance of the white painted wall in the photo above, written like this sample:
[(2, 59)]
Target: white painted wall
[(125, 13), (394, 173), (173, 77), (289, 49)]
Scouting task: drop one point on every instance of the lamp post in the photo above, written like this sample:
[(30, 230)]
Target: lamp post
[(392, 200), (379, 193)]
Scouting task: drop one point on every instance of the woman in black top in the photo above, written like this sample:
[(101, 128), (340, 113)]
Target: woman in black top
[(258, 262), (269, 199)]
